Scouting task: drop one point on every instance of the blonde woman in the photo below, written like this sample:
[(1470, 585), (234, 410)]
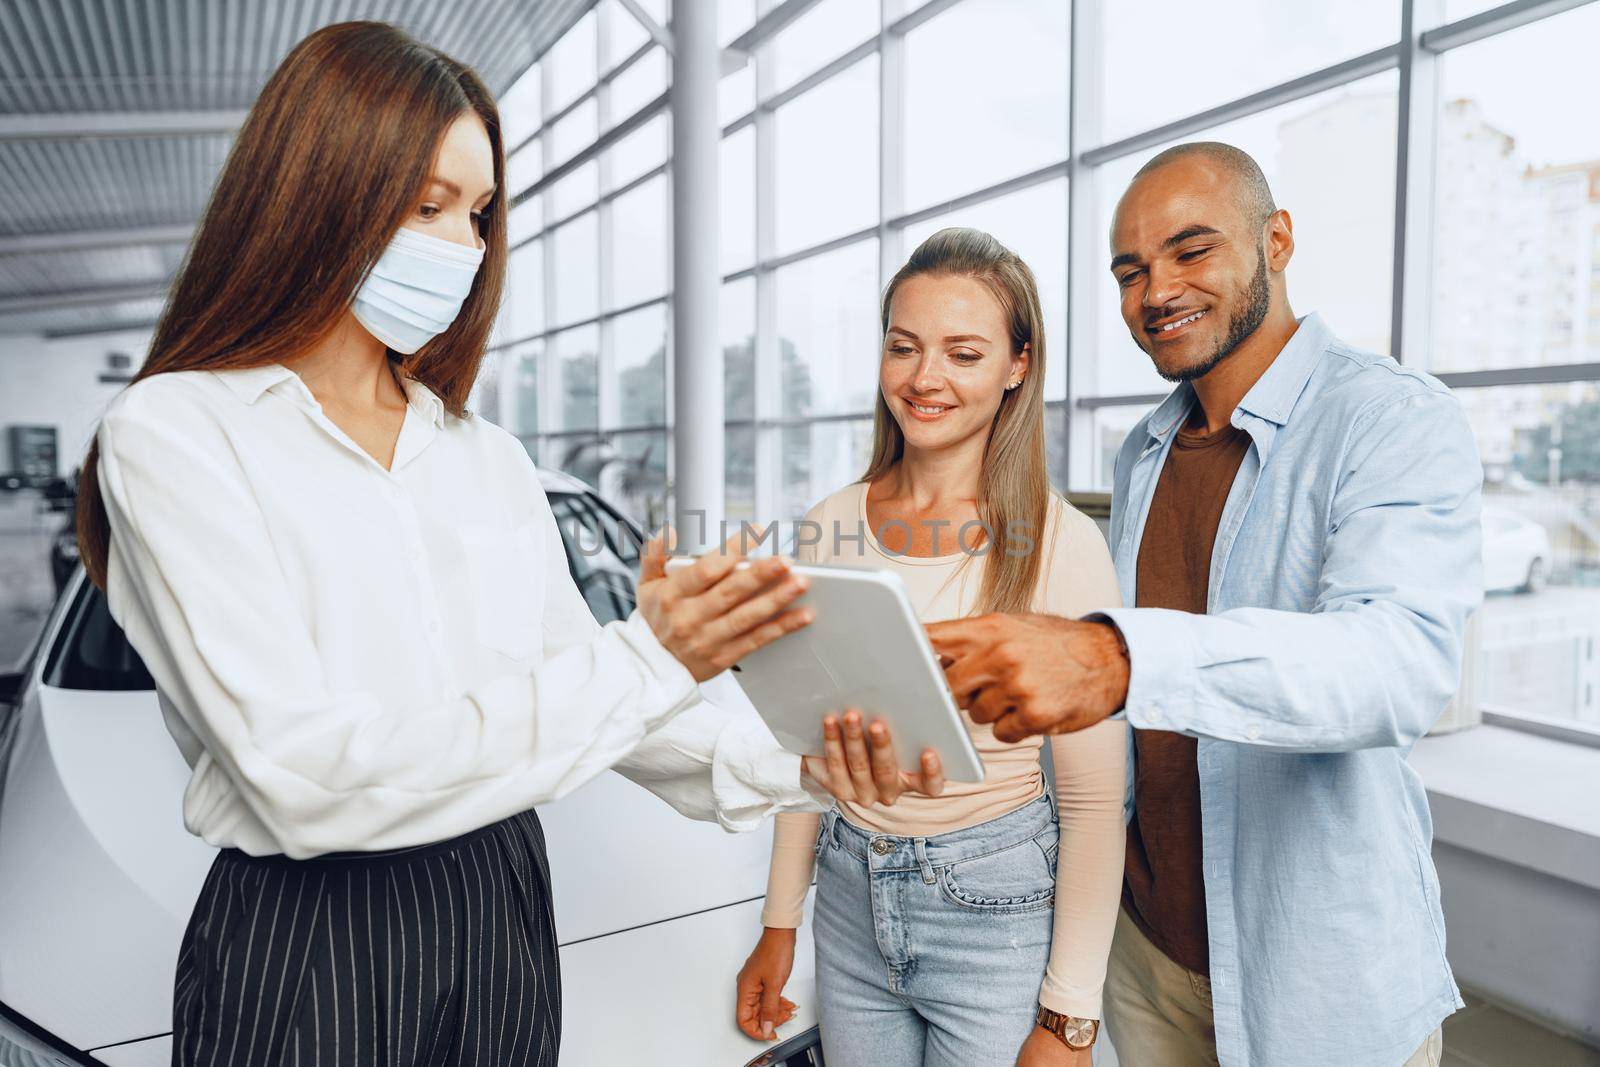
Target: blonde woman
[(944, 924)]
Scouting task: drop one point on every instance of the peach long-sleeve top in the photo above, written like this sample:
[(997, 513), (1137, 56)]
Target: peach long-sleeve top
[(1077, 577)]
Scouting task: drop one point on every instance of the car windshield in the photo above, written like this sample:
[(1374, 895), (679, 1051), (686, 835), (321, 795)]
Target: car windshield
[(602, 553), (93, 653)]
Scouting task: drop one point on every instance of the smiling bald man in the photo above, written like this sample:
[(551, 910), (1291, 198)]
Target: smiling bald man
[(1296, 527)]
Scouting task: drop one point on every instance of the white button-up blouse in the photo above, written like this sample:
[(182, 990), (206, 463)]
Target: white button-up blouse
[(353, 658)]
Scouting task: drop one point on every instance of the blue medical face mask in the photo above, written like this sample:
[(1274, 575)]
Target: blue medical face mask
[(415, 290)]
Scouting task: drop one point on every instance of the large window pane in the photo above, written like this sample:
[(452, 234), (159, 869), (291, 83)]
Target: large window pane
[(524, 168), (484, 398), (572, 61), (639, 255), (523, 313), (519, 386), (624, 34), (519, 109), (1516, 256), (575, 191), (819, 459), (736, 94), (1032, 223), (828, 331), (640, 152), (737, 317), (640, 340), (985, 96), (1055, 445), (733, 18), (638, 85), (576, 376), (826, 32), (1107, 428), (1164, 59), (577, 270), (575, 132), (525, 220), (636, 477), (737, 192), (739, 475), (827, 183), (1540, 621), (1330, 162)]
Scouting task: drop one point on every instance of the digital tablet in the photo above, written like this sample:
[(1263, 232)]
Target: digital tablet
[(864, 649)]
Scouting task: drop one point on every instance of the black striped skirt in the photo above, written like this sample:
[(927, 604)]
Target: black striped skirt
[(442, 954)]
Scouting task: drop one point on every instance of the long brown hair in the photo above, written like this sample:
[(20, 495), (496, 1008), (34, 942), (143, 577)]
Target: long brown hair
[(1014, 485), (331, 161)]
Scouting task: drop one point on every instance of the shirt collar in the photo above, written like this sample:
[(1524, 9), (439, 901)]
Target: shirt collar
[(248, 383), (424, 400), (1275, 393), (1170, 412)]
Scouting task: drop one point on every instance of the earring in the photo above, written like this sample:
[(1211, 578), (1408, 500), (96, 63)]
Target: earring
[(1013, 385)]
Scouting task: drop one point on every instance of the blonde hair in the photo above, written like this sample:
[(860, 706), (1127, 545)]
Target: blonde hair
[(1014, 485)]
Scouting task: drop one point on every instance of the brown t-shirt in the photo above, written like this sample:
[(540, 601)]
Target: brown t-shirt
[(1164, 892)]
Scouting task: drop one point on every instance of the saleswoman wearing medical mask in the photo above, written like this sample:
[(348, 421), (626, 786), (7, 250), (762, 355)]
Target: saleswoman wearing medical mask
[(352, 594)]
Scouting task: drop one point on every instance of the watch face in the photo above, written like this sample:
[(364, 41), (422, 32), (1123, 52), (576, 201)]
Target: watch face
[(1079, 1032)]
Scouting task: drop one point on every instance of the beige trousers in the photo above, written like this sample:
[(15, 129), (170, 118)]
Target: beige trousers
[(1158, 1013)]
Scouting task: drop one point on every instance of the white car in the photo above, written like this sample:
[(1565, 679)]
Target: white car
[(97, 874), (1516, 552)]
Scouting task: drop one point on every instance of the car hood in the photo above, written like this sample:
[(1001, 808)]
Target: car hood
[(97, 873)]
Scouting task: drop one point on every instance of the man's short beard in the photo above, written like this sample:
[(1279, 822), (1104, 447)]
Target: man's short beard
[(1248, 319)]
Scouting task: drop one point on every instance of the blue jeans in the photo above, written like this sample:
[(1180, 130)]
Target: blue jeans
[(930, 950)]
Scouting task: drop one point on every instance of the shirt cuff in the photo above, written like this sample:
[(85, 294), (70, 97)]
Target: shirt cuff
[(753, 778), (1162, 666), (1076, 1003)]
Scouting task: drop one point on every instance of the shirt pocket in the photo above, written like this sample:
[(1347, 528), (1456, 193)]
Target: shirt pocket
[(506, 584)]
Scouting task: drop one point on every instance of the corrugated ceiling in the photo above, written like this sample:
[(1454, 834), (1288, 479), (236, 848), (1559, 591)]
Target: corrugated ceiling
[(192, 62)]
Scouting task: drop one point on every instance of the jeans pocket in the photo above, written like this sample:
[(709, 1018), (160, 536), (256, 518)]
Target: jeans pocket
[(1049, 843), (1020, 878)]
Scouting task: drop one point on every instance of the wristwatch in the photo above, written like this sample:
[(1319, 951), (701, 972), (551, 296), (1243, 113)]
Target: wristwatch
[(1077, 1034)]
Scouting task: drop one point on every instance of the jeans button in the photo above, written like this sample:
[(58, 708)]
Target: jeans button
[(882, 847)]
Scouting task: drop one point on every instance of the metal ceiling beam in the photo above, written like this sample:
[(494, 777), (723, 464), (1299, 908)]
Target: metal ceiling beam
[(87, 240), (769, 24), (116, 294), (657, 32), (105, 327), (1495, 20), (67, 125)]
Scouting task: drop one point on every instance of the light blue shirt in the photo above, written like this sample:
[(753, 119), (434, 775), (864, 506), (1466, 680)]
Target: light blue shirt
[(1347, 561)]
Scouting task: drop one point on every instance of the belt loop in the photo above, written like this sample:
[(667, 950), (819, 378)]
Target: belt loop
[(919, 845), (830, 824)]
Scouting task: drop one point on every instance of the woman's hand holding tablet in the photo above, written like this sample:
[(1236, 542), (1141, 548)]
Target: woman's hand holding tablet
[(864, 769)]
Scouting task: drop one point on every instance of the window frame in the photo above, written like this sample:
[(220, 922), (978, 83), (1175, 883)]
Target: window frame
[(1423, 38)]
